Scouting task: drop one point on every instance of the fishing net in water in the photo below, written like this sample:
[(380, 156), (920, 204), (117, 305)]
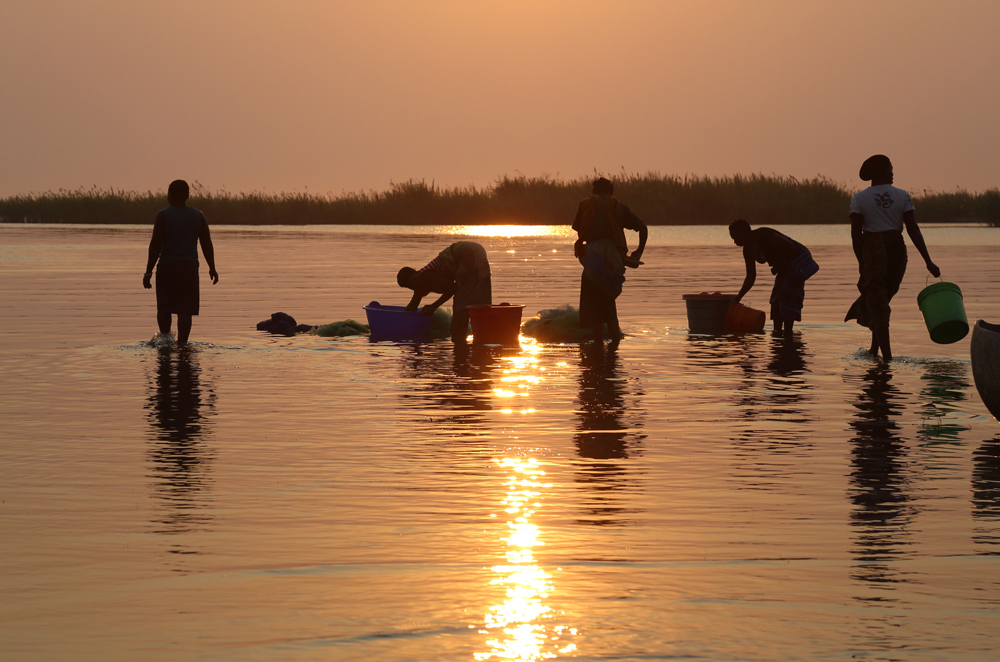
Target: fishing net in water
[(441, 324), (341, 328), (560, 324)]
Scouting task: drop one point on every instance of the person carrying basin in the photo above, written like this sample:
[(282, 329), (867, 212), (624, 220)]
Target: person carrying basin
[(177, 231), (461, 270), (791, 263), (601, 247), (878, 215)]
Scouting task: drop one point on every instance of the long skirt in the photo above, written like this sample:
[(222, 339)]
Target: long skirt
[(883, 264), (601, 283), (177, 290)]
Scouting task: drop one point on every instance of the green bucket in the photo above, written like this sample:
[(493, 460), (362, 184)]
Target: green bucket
[(944, 313)]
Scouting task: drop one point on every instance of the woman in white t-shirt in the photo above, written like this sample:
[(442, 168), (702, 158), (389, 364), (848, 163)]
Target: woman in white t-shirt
[(878, 215)]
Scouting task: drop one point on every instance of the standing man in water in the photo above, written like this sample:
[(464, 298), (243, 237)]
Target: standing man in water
[(878, 215), (601, 248), (177, 231), (791, 263), (461, 270)]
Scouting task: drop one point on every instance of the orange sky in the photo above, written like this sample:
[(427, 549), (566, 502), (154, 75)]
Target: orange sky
[(330, 96)]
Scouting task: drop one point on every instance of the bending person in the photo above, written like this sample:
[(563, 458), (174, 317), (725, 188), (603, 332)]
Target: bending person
[(177, 231), (878, 215), (461, 270), (791, 263), (600, 224)]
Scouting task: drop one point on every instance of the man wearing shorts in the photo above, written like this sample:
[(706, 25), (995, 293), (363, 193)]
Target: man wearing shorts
[(177, 231)]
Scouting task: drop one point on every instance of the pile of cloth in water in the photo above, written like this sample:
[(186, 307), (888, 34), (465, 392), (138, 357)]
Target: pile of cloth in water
[(283, 324)]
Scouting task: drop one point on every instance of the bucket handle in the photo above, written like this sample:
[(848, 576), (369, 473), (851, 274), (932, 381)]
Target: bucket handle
[(940, 279)]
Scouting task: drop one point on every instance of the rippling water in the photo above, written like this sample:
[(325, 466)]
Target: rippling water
[(316, 498)]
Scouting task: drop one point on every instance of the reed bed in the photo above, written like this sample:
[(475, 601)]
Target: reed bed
[(658, 199)]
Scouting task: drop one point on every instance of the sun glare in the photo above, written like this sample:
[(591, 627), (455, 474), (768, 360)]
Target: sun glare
[(509, 230), (517, 628)]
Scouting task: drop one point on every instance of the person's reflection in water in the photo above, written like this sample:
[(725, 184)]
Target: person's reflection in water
[(781, 400), (788, 357), (178, 408), (787, 387), (607, 434), (449, 388), (882, 510), (986, 497), (773, 441)]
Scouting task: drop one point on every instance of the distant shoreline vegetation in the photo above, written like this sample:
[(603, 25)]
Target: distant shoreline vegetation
[(658, 199)]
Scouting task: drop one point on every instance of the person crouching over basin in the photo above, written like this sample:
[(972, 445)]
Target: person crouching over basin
[(791, 263), (461, 270)]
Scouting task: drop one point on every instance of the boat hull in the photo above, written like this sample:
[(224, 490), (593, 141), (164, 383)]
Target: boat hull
[(985, 353)]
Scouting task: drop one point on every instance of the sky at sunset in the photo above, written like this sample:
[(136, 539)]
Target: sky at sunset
[(328, 96)]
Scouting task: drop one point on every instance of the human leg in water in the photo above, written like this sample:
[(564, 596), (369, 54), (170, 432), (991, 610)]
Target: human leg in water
[(163, 321), (880, 340), (616, 333), (183, 328)]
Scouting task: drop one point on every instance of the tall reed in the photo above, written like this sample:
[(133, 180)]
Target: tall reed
[(658, 199)]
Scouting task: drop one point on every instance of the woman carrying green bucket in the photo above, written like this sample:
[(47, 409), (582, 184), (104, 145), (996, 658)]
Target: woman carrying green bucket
[(878, 215)]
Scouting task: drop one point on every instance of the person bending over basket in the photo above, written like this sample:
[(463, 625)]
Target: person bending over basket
[(791, 263), (460, 270), (878, 215)]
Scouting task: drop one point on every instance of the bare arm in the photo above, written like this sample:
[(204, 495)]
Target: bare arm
[(432, 281), (643, 235), (751, 276), (431, 307), (155, 244), (414, 302), (857, 223), (910, 221), (205, 237)]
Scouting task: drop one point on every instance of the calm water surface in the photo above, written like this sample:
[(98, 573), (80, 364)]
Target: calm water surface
[(306, 498)]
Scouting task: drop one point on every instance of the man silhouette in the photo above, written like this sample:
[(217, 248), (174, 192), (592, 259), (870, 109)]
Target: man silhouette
[(177, 231)]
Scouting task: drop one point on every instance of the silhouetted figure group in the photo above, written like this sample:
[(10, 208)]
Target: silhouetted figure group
[(462, 270), (878, 216)]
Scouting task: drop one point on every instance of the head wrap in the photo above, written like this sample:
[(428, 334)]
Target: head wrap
[(874, 166)]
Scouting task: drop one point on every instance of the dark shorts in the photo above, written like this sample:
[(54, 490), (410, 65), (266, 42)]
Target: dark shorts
[(177, 288), (787, 296)]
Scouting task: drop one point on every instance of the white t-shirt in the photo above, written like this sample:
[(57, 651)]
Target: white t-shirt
[(882, 207)]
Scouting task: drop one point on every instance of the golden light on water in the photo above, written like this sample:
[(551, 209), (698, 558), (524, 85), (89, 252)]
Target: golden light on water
[(517, 627), (518, 378), (510, 230)]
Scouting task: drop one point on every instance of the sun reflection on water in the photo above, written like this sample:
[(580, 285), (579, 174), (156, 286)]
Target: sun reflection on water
[(510, 230), (516, 627), (517, 377)]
